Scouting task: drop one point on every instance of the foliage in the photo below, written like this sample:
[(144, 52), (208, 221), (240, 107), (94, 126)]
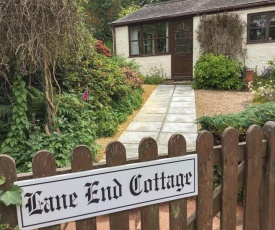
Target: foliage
[(257, 114), (37, 38), (217, 72), (110, 117), (128, 10), (97, 92), (156, 76), (131, 78), (12, 195), (263, 87), (221, 34), (101, 13), (19, 123), (102, 49)]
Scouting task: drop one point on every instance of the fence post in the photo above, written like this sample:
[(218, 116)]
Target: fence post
[(82, 161), (267, 209), (43, 165), (8, 170), (148, 151), (253, 175), (204, 203), (229, 181), (115, 156), (177, 208)]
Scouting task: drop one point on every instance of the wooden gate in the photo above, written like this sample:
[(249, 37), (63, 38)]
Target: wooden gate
[(249, 165)]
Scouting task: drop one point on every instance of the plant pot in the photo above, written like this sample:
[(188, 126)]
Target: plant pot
[(249, 76)]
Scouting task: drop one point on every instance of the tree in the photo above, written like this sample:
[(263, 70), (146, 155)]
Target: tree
[(101, 13), (34, 36)]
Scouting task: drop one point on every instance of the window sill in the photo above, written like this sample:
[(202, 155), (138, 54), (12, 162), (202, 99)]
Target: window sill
[(260, 42), (149, 55)]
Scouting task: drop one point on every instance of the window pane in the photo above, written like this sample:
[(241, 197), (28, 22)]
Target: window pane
[(162, 29), (257, 34), (272, 19), (183, 26), (148, 31), (162, 45), (134, 32), (135, 48), (271, 33), (180, 49), (148, 47), (179, 42), (258, 20)]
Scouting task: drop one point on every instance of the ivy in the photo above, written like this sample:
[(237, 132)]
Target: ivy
[(10, 197), (19, 124)]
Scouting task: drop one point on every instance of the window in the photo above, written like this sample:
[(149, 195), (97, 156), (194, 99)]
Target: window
[(149, 39), (261, 27)]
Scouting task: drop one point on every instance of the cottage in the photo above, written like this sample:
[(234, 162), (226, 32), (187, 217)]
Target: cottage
[(164, 36)]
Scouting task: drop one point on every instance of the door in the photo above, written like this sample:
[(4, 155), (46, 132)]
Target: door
[(182, 49)]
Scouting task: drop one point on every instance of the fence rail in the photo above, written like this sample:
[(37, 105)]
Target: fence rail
[(249, 165)]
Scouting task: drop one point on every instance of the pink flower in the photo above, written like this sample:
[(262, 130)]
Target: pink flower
[(23, 68), (85, 95)]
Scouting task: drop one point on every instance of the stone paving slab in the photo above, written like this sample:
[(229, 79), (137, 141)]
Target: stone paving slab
[(150, 117), (173, 127), (145, 126), (170, 109), (178, 110), (154, 110), (177, 118)]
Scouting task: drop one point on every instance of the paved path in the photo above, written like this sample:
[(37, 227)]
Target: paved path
[(170, 109)]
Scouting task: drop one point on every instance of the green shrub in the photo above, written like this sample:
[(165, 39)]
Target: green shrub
[(218, 72), (256, 114)]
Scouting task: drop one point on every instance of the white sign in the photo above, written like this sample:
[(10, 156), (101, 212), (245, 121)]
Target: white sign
[(63, 198)]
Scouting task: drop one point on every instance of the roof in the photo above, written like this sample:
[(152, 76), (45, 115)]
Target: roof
[(172, 9)]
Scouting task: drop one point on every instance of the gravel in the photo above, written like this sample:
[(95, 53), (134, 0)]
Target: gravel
[(213, 102)]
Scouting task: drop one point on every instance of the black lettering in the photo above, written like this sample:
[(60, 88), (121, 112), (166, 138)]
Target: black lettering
[(135, 185), (179, 182), (117, 189), (170, 182), (72, 199), (156, 182), (162, 181), (148, 185), (57, 198), (103, 193), (91, 192), (187, 177), (33, 204)]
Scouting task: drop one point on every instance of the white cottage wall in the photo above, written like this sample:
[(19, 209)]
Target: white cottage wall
[(257, 54), (147, 64)]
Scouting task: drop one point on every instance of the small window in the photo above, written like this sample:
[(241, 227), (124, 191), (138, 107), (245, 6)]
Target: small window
[(261, 27), (149, 39)]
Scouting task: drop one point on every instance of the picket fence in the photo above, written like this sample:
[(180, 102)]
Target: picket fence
[(249, 165)]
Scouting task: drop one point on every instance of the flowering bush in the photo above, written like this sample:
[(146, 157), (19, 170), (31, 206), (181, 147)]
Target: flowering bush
[(263, 90), (131, 77), (102, 49), (263, 87)]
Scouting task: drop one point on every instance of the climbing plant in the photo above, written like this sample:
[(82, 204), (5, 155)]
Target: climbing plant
[(221, 34)]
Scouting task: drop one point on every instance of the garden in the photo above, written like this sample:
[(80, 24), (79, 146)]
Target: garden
[(60, 87)]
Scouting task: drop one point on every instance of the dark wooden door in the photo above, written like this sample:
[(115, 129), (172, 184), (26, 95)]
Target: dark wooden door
[(182, 49)]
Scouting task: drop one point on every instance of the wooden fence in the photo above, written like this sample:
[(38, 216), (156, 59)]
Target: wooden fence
[(249, 165)]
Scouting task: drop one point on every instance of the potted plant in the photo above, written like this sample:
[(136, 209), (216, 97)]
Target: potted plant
[(248, 76)]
